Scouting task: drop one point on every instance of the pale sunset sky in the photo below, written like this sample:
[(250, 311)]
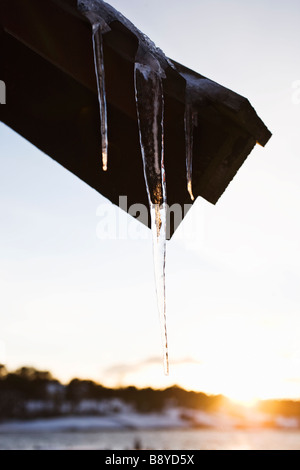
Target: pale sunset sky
[(80, 304)]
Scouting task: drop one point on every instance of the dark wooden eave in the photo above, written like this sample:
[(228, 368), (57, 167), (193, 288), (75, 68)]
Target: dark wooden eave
[(51, 95)]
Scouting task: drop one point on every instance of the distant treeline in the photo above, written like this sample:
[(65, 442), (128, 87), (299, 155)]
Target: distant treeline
[(28, 392), (24, 391)]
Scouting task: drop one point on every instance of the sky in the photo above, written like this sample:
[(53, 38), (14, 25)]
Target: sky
[(82, 304)]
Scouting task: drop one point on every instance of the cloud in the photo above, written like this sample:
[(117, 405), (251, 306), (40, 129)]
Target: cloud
[(121, 370)]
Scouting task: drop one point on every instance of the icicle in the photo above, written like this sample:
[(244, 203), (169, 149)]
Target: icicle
[(93, 11), (150, 111), (190, 121), (100, 77)]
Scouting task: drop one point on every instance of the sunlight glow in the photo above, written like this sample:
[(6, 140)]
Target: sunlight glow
[(81, 305), (230, 360)]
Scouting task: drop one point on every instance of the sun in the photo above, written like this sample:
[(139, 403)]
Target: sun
[(245, 399)]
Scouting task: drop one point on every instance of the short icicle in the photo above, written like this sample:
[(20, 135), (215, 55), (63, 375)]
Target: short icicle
[(189, 130), (100, 77), (190, 122), (150, 111)]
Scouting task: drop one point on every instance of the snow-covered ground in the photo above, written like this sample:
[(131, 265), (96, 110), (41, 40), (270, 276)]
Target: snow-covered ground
[(86, 423), (126, 417)]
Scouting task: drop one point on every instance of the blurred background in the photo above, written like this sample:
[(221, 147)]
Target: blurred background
[(78, 300)]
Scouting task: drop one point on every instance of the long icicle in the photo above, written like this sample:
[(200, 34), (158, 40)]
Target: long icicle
[(100, 77), (150, 111)]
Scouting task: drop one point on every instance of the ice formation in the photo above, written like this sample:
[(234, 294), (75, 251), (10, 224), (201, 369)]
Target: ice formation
[(99, 27), (149, 72), (150, 112), (100, 76), (190, 121)]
